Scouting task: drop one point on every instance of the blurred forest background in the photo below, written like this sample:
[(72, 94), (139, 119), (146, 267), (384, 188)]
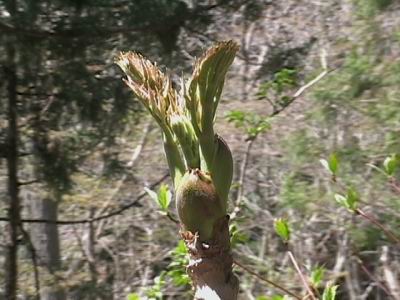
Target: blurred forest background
[(75, 145)]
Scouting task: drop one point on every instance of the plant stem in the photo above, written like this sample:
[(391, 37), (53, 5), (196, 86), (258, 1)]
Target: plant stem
[(374, 221), (266, 280), (372, 277), (303, 279), (243, 168)]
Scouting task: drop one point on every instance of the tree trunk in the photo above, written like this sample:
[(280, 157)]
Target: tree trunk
[(210, 265), (45, 239), (11, 259)]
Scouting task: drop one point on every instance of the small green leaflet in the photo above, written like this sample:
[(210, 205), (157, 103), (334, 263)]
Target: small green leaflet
[(163, 198), (331, 165), (349, 201), (329, 292), (317, 275), (133, 297), (390, 164), (282, 229)]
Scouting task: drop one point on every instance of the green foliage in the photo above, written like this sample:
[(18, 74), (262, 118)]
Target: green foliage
[(155, 291), (133, 296), (283, 80), (176, 272), (331, 165), (391, 163), (162, 198), (177, 268), (253, 124), (237, 236), (317, 275), (329, 292), (349, 201), (282, 229)]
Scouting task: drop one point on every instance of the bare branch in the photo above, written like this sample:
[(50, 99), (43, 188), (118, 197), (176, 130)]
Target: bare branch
[(266, 280), (302, 277), (114, 213)]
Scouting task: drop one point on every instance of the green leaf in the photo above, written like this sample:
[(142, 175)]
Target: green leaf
[(317, 275), (390, 164), (237, 237), (237, 117), (333, 163), (352, 199), (349, 201), (177, 267), (133, 297), (282, 229), (329, 292), (164, 197)]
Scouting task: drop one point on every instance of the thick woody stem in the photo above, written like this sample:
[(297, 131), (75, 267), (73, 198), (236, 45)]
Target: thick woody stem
[(210, 265)]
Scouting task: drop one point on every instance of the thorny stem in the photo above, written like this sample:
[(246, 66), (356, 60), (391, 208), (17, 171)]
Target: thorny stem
[(266, 280), (374, 221), (303, 279)]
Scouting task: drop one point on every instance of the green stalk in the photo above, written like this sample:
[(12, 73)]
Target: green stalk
[(175, 162)]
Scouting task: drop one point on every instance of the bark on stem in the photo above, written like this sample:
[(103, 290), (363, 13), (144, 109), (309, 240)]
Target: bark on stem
[(210, 264)]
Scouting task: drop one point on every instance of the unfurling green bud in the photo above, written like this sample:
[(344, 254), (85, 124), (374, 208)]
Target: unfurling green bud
[(184, 132), (222, 169), (198, 204)]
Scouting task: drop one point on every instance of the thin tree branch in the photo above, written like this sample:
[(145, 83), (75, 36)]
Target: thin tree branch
[(266, 280), (394, 185), (114, 213), (301, 91), (172, 218), (374, 221), (303, 279), (135, 155), (275, 112), (243, 168), (372, 277), (20, 183)]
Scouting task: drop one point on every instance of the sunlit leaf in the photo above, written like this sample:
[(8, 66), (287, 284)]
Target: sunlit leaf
[(390, 164), (333, 163), (164, 197), (133, 297), (329, 292), (282, 229), (317, 275)]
